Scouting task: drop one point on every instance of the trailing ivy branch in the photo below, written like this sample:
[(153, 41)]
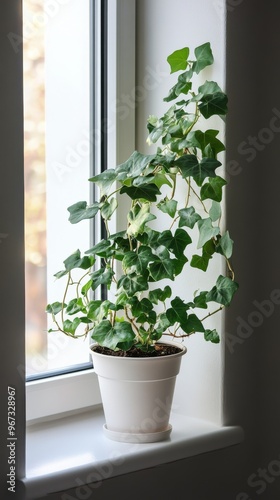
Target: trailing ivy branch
[(184, 166)]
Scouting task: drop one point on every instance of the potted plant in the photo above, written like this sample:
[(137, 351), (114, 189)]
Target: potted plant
[(173, 223)]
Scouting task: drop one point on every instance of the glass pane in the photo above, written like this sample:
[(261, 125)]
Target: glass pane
[(56, 43)]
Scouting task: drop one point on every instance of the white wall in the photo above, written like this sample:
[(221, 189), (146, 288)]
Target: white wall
[(163, 27)]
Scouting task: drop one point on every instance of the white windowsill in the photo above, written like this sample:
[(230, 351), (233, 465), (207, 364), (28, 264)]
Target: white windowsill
[(71, 451)]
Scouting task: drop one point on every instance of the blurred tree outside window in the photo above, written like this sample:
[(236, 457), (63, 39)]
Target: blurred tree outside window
[(56, 122), (35, 183)]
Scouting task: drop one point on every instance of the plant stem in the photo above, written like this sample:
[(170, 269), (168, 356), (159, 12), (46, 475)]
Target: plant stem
[(194, 192), (64, 296), (79, 284), (212, 313), (174, 178), (131, 321), (189, 193), (230, 269)]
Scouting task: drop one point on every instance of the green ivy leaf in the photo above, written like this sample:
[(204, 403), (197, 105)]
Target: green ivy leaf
[(177, 314), (98, 309), (191, 167), (144, 312), (75, 306), (193, 325), (162, 326), (71, 326), (162, 267), (121, 300), (86, 287), (104, 181), (161, 179), (200, 300), (188, 164), (208, 88), (200, 261), (138, 219), (143, 180), (185, 77), (155, 128), (110, 336), (178, 264), (178, 311), (213, 189), (105, 248), (118, 237), (188, 217), (178, 60), (171, 95), (60, 274), (135, 305), (76, 261), (212, 336), (177, 242), (168, 207), (144, 306), (122, 244), (182, 87), (207, 168), (136, 164), (213, 104), (226, 245), (147, 192), (215, 211), (102, 276), (223, 291), (164, 160), (55, 308), (149, 318), (137, 262), (133, 283), (160, 295), (204, 57), (206, 231), (203, 139), (80, 211), (94, 309), (209, 247), (108, 208)]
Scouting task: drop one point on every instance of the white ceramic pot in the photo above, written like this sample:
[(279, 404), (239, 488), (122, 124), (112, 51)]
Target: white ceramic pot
[(137, 394)]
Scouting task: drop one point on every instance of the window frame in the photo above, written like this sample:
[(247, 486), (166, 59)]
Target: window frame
[(12, 246), (12, 227), (50, 396)]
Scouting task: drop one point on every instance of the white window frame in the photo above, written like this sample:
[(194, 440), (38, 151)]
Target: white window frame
[(50, 397)]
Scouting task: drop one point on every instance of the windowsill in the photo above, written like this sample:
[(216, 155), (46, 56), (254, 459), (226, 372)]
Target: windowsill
[(71, 451)]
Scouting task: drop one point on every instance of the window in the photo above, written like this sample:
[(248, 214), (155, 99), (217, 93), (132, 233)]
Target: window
[(151, 37), (58, 157), (83, 130)]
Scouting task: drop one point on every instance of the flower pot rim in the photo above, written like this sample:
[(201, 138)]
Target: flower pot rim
[(182, 347)]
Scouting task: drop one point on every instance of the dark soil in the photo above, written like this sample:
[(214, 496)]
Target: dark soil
[(134, 352)]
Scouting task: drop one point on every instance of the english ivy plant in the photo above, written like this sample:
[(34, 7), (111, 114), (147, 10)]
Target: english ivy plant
[(181, 183)]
